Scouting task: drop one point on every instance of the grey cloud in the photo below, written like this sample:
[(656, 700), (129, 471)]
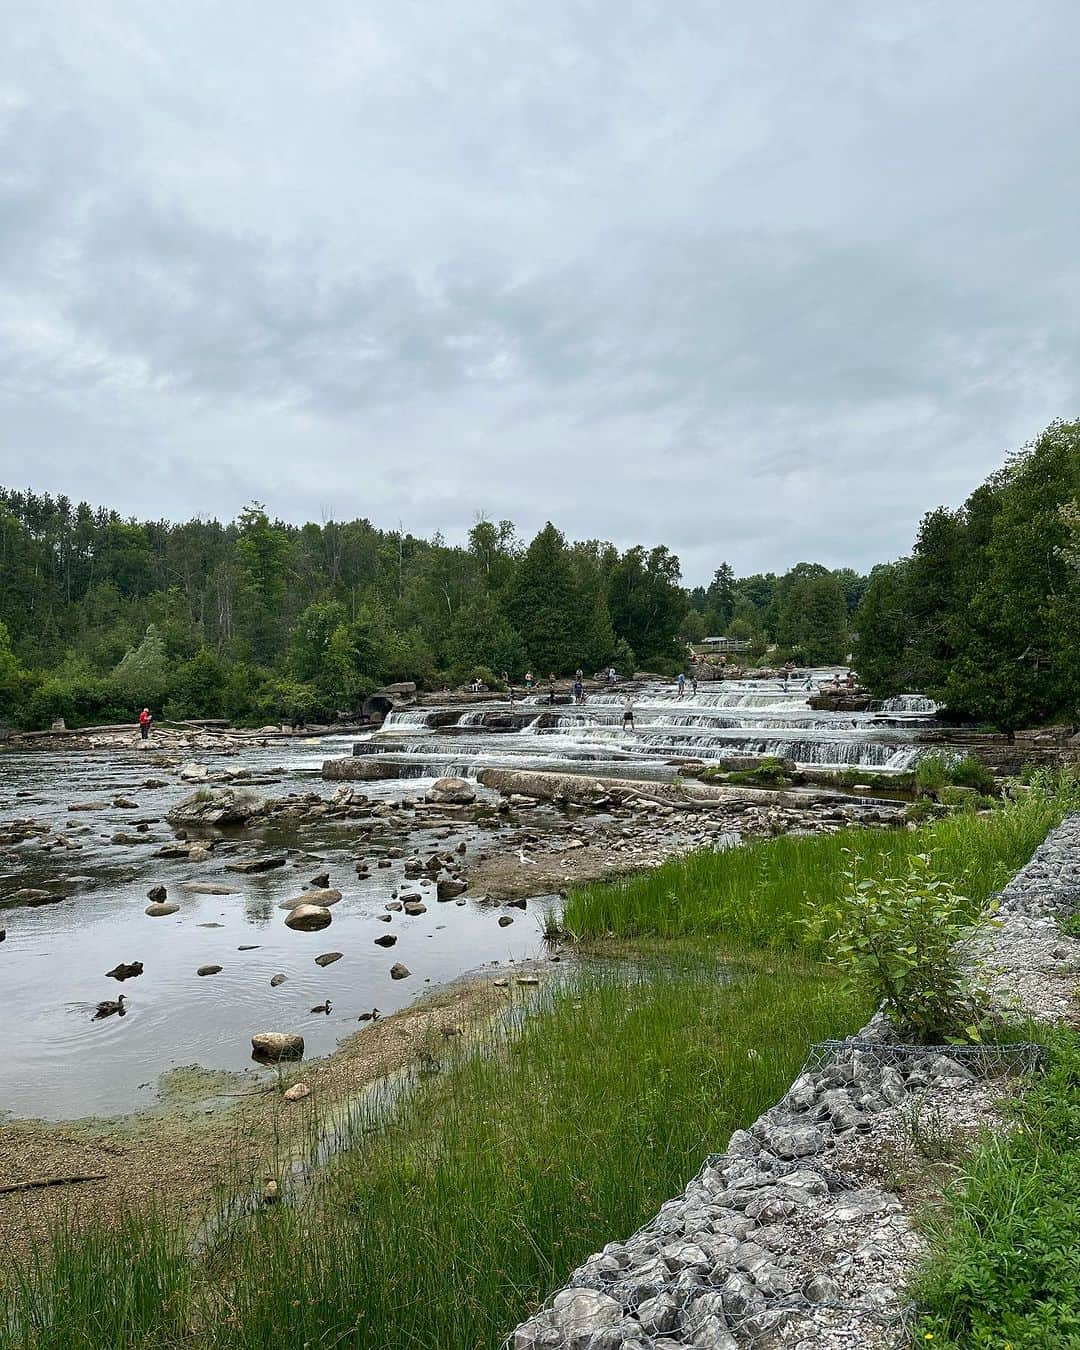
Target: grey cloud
[(764, 286)]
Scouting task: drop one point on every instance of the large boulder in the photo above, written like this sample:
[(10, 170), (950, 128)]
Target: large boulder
[(218, 806), (453, 791), (309, 918), (271, 1046)]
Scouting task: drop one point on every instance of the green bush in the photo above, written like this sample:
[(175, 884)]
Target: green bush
[(973, 773), (932, 772), (1002, 1268), (895, 938)]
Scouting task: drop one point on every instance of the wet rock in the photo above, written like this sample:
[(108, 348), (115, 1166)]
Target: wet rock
[(259, 864), (198, 853), (272, 1046), (208, 970), (207, 888), (399, 972), (520, 903), (193, 773), (296, 1093), (328, 958), (505, 921), (125, 804), (88, 806), (387, 940), (393, 905), (308, 918), (218, 806), (3, 934), (325, 898), (157, 894), (30, 897), (449, 889), (125, 970), (415, 907), (277, 979), (454, 791), (321, 882), (160, 908)]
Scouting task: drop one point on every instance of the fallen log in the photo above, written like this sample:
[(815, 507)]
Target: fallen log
[(38, 1183)]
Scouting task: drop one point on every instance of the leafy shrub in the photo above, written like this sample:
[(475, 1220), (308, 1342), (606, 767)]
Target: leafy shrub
[(932, 772), (973, 773), (896, 940), (769, 773), (918, 812)]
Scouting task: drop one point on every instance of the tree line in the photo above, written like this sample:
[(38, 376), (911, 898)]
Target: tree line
[(984, 615), (258, 619)]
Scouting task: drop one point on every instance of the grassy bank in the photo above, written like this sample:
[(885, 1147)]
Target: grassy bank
[(453, 1217), (756, 895), (1003, 1267), (456, 1208)]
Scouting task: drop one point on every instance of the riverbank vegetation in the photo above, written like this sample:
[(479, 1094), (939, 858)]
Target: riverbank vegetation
[(463, 1202), (457, 1204), (1002, 1268), (707, 894)]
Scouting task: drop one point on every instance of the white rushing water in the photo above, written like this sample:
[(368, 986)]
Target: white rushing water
[(745, 719)]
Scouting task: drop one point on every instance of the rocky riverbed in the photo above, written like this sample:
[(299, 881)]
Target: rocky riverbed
[(801, 1232)]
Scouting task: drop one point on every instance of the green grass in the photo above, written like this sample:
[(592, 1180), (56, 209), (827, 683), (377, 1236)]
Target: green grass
[(451, 1220), (1003, 1266), (757, 894)]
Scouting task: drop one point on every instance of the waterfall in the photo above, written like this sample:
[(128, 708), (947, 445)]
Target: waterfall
[(909, 703), (408, 717)]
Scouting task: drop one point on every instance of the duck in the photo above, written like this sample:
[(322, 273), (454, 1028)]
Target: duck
[(108, 1006), (373, 1016), (323, 1007)]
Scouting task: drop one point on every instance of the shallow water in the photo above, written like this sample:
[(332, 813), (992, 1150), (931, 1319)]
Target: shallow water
[(61, 1063)]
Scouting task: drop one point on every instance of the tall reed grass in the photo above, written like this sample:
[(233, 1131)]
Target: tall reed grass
[(756, 895), (457, 1211)]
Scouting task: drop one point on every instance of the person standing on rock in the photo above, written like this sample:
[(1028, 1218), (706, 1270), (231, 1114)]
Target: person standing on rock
[(579, 692), (551, 689), (528, 681), (681, 682), (144, 723), (628, 714)]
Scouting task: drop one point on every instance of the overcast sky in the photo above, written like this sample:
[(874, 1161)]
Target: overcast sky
[(760, 282)]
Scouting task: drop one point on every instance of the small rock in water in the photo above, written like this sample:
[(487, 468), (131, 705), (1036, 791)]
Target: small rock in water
[(328, 958), (272, 1046), (414, 907), (386, 918), (208, 970), (159, 909), (297, 1092), (398, 971), (505, 921), (3, 934), (325, 898), (309, 918), (157, 894), (259, 864), (321, 882), (277, 979), (387, 940), (125, 970), (250, 947)]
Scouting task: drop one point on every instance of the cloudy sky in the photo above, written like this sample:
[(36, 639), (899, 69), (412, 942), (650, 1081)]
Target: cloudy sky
[(762, 282)]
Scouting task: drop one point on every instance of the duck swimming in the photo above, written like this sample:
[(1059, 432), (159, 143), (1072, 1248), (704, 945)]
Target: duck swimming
[(108, 1006)]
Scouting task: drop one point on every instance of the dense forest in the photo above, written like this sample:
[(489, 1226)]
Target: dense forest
[(985, 613), (258, 620)]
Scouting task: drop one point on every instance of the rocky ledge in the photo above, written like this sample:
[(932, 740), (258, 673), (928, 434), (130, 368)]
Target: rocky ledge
[(793, 1237)]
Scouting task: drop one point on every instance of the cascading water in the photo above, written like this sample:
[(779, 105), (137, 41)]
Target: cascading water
[(755, 719), (909, 703)]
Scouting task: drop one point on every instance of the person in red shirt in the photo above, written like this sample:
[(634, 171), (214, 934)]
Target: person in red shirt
[(144, 723)]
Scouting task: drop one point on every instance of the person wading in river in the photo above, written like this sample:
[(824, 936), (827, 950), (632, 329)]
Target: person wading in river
[(144, 723), (628, 715)]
